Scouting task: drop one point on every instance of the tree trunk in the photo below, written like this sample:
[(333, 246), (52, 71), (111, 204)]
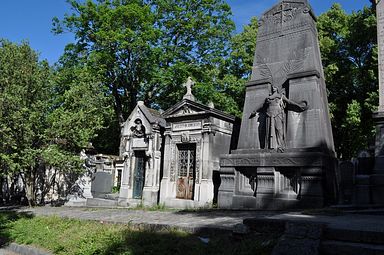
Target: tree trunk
[(29, 183), (118, 105)]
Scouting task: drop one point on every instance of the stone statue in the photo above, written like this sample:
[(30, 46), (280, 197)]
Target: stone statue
[(275, 105), (138, 131)]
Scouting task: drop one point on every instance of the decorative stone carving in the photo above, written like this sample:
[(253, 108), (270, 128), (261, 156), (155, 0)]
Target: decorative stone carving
[(138, 131), (268, 159), (276, 105), (189, 85)]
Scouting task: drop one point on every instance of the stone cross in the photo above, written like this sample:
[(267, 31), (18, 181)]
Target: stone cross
[(189, 85), (279, 14), (380, 41)]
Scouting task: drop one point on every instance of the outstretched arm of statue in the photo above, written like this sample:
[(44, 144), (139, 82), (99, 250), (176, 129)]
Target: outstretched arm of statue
[(257, 110), (296, 107)]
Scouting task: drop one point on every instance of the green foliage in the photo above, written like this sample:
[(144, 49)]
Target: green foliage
[(349, 54), (67, 236), (47, 116), (146, 49)]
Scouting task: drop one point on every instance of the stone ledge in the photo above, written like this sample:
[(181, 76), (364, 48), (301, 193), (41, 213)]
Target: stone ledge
[(270, 159), (25, 250)]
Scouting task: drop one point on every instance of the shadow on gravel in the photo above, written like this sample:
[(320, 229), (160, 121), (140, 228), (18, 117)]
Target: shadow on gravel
[(8, 215), (177, 242)]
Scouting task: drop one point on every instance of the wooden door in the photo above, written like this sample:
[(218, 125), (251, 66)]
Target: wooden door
[(186, 172), (138, 180)]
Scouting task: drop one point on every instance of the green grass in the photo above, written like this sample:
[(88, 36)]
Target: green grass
[(68, 236)]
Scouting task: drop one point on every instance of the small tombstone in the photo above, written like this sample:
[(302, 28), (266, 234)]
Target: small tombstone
[(347, 172), (365, 163), (102, 184)]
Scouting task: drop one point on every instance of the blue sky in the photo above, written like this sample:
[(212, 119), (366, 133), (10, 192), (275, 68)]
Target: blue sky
[(31, 20)]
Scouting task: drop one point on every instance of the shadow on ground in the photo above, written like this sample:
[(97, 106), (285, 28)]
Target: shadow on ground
[(175, 242), (7, 216)]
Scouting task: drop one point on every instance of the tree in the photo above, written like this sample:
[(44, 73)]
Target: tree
[(25, 90), (349, 54), (146, 49), (225, 85), (46, 117)]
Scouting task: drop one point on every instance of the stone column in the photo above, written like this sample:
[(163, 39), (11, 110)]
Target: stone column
[(377, 179), (206, 184), (165, 183), (380, 41)]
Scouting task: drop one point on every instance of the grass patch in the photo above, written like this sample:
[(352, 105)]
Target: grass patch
[(68, 236), (157, 207)]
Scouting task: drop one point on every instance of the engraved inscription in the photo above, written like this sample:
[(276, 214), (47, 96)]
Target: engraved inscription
[(271, 161), (186, 126)]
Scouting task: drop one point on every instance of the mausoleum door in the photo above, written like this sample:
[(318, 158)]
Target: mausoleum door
[(186, 171), (138, 182)]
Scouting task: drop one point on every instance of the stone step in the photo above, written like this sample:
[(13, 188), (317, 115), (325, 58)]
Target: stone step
[(355, 236), (341, 248), (112, 196), (99, 202)]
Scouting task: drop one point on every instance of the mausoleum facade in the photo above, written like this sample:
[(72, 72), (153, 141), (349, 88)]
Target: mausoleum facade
[(141, 148), (195, 137)]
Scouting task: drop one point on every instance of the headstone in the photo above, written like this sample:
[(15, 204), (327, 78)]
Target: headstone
[(365, 163), (285, 155), (102, 183), (347, 173)]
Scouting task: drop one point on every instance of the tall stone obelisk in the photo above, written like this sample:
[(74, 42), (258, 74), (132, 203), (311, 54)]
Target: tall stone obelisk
[(377, 179), (285, 155)]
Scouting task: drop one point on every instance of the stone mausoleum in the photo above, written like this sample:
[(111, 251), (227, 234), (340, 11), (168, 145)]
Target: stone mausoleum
[(285, 155), (173, 158), (195, 137), (141, 150)]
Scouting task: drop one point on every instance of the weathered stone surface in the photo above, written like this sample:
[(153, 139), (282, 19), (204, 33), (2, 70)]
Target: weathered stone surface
[(299, 238), (240, 229), (347, 174), (141, 154), (265, 225), (380, 41), (195, 137), (337, 248), (377, 187), (101, 184), (285, 126)]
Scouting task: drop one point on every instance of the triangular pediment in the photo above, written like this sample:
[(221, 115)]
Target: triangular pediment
[(186, 107), (145, 115)]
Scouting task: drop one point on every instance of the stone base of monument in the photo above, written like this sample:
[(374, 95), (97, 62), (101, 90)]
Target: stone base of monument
[(362, 190), (269, 180), (377, 189), (150, 196), (377, 178)]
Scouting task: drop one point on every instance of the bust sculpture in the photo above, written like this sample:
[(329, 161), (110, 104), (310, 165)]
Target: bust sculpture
[(138, 131)]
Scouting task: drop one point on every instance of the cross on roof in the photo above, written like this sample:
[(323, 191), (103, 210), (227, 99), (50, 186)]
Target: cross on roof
[(189, 85)]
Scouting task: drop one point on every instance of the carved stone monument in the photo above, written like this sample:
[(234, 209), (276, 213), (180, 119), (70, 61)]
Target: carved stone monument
[(285, 155), (377, 178), (195, 137), (141, 149)]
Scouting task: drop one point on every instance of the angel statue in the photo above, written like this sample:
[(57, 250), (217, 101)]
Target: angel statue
[(276, 104)]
